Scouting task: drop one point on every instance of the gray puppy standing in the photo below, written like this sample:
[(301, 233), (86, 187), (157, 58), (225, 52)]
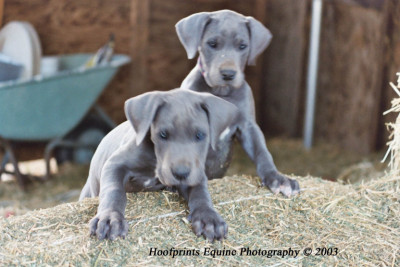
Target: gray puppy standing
[(166, 139), (226, 41)]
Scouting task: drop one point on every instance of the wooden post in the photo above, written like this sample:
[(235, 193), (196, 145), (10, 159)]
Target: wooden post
[(140, 10), (283, 68), (1, 12), (260, 13), (350, 79)]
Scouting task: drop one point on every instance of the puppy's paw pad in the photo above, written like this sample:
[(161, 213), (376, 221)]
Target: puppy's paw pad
[(279, 183), (108, 225), (208, 222)]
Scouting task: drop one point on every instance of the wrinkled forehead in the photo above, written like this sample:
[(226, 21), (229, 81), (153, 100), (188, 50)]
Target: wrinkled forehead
[(180, 114), (227, 25)]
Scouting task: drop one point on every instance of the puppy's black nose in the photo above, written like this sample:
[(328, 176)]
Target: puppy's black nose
[(181, 172), (228, 75)]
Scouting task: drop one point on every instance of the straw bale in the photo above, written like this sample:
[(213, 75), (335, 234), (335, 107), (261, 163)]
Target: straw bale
[(394, 137), (362, 221)]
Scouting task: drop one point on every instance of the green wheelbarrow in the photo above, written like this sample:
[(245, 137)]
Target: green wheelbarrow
[(46, 109)]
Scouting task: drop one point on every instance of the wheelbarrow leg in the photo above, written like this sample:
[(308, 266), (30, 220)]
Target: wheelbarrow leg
[(57, 143), (9, 153), (103, 115), (6, 158), (3, 161), (48, 153)]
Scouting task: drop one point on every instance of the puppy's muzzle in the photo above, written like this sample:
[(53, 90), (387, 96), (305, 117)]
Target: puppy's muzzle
[(180, 172)]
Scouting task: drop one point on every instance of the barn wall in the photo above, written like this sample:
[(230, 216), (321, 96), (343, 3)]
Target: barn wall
[(283, 68), (350, 75), (359, 54)]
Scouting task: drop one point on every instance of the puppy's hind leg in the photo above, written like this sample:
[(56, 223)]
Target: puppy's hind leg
[(85, 193), (90, 189)]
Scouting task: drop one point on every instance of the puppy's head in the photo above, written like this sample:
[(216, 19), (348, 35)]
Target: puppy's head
[(226, 41), (183, 124)]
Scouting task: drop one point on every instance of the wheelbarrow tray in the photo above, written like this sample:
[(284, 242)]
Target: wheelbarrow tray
[(45, 108)]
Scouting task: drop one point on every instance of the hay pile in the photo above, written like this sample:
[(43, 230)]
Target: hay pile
[(394, 138), (361, 221)]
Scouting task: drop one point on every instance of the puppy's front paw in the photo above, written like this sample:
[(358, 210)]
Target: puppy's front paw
[(108, 224), (279, 183), (207, 222)]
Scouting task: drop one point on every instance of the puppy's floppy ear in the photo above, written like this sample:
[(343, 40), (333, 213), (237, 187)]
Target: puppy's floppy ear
[(141, 110), (260, 37), (190, 31), (221, 114)]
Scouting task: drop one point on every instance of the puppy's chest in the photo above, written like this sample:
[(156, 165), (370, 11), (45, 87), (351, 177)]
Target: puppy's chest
[(218, 160)]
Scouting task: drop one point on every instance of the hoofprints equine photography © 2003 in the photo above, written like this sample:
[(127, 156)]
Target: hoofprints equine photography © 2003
[(212, 252)]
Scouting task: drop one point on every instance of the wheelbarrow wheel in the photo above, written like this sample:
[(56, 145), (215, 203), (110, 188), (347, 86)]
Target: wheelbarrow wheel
[(86, 136)]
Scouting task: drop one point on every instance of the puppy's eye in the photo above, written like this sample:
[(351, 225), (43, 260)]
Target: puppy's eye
[(163, 135), (212, 44), (242, 46), (200, 136)]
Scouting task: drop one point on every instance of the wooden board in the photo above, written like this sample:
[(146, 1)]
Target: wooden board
[(283, 69), (350, 76), (1, 12)]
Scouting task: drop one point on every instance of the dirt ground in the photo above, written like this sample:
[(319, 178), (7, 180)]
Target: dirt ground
[(325, 161)]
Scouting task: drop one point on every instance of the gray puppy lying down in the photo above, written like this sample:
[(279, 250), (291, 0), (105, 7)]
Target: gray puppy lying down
[(165, 142)]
